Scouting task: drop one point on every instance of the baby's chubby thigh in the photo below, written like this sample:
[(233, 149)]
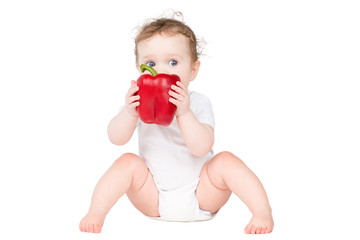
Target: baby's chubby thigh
[(211, 192), (142, 192)]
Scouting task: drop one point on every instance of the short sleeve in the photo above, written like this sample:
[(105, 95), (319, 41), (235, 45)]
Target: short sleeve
[(202, 108)]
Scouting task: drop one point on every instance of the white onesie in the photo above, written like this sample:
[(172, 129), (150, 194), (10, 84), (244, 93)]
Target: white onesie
[(174, 168)]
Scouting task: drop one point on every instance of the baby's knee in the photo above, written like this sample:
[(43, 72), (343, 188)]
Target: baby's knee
[(227, 160), (128, 160)]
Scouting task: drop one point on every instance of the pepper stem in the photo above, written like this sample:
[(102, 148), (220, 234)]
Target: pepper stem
[(144, 67)]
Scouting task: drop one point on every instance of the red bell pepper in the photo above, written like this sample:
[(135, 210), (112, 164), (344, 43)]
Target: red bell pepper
[(154, 97)]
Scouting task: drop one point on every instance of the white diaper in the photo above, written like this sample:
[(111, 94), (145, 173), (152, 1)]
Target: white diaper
[(181, 205)]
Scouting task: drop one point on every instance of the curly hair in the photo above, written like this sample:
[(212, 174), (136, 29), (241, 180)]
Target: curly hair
[(169, 27)]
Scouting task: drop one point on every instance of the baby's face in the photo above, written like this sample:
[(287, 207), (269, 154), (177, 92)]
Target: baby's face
[(169, 55)]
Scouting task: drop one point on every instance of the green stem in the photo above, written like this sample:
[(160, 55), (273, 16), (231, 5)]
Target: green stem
[(144, 67)]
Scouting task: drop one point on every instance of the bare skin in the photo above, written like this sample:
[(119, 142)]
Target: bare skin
[(223, 174), (129, 174)]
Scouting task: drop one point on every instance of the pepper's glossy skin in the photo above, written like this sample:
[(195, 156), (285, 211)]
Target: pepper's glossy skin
[(154, 98)]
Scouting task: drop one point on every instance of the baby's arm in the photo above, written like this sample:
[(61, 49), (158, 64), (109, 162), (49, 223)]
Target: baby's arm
[(198, 137), (123, 125)]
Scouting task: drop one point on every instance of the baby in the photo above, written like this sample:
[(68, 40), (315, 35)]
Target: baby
[(175, 177)]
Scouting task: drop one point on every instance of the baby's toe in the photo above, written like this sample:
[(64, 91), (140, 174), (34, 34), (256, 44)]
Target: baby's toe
[(87, 227), (248, 229), (258, 230), (83, 227), (97, 228)]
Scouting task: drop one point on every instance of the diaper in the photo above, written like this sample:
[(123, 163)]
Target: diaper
[(181, 205)]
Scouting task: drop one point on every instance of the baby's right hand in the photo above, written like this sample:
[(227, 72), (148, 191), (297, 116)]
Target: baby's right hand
[(132, 100)]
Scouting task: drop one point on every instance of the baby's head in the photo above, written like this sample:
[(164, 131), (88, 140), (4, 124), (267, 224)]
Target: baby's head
[(169, 46), (168, 27)]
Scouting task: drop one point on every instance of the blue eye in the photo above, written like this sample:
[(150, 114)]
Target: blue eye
[(150, 64), (173, 62)]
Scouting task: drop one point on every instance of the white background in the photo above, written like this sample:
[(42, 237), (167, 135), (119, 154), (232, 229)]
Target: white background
[(283, 77)]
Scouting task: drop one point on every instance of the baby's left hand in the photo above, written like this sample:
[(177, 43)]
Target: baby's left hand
[(180, 98)]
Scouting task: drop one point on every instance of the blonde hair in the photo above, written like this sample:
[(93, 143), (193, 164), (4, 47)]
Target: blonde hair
[(170, 27)]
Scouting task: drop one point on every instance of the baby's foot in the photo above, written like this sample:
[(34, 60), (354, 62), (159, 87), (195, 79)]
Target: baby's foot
[(92, 223), (260, 225)]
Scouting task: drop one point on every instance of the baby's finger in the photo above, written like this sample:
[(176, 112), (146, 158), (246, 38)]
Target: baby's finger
[(135, 104), (174, 101), (176, 95), (178, 90), (181, 85), (134, 87), (132, 90), (133, 99)]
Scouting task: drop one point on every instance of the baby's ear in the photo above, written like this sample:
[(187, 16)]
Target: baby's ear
[(195, 69)]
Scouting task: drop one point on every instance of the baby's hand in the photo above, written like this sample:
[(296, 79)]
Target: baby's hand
[(180, 98), (132, 100)]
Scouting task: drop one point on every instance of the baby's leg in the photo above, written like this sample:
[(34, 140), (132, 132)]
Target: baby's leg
[(226, 173), (129, 174)]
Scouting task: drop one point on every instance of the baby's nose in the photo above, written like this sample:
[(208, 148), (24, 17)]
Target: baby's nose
[(163, 70)]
